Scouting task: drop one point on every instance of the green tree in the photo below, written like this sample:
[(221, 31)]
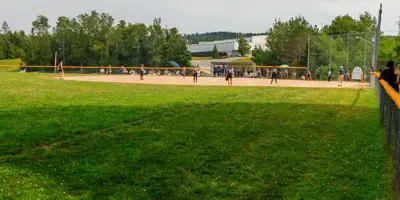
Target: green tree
[(155, 42), (6, 37), (287, 41), (343, 25), (244, 46), (387, 50), (39, 53), (215, 52), (93, 39)]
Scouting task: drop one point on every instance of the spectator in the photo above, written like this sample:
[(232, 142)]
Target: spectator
[(390, 76), (309, 75), (286, 74), (372, 69), (109, 69), (329, 75), (294, 74)]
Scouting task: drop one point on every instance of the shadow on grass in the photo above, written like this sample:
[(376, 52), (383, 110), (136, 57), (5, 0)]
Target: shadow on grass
[(223, 150)]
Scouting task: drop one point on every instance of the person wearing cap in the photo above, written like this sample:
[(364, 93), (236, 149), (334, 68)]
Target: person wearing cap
[(341, 76), (390, 75)]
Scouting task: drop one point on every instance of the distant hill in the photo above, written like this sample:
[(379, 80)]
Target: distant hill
[(213, 36)]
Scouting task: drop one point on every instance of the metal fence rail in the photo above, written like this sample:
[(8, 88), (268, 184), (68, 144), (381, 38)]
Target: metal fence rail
[(389, 108)]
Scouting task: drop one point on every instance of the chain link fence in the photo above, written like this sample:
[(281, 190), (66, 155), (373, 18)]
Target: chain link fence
[(389, 105), (330, 52)]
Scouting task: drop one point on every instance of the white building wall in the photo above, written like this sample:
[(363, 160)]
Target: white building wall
[(222, 46), (259, 41), (228, 46)]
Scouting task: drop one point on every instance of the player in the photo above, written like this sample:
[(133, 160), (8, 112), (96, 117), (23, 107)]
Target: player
[(229, 75), (341, 76), (109, 69), (329, 75), (274, 74), (309, 75), (61, 70), (141, 72), (195, 73), (184, 71)]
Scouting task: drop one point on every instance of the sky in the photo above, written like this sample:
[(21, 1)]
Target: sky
[(191, 16)]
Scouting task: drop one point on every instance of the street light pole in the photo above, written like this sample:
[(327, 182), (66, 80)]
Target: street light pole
[(330, 54), (55, 60)]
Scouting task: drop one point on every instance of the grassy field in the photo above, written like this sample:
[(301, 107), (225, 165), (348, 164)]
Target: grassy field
[(82, 140), (201, 58)]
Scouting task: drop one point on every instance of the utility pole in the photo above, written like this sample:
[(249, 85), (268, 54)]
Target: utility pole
[(378, 39), (365, 54), (330, 54), (308, 60), (55, 62), (63, 53), (347, 53)]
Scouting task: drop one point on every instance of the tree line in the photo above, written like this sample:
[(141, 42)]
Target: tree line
[(346, 41), (94, 39)]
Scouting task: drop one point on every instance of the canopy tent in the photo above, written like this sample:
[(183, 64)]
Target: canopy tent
[(175, 64), (241, 66)]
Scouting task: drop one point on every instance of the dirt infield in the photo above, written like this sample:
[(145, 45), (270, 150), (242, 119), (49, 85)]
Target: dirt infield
[(210, 81)]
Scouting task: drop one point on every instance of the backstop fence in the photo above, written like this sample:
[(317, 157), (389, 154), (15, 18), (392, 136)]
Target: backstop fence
[(330, 52), (389, 108)]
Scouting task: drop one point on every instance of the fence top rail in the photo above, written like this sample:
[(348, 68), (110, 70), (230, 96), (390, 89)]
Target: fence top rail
[(99, 67), (389, 90), (289, 67), (114, 67)]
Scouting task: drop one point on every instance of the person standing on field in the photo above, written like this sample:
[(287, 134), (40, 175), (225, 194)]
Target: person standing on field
[(141, 72), (274, 75), (329, 75), (341, 76), (229, 76), (195, 71), (61, 70), (184, 71)]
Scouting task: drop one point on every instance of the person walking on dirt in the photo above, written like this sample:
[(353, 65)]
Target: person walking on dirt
[(341, 76), (141, 72), (195, 74), (229, 76), (184, 71), (329, 75), (61, 70), (274, 75), (309, 75)]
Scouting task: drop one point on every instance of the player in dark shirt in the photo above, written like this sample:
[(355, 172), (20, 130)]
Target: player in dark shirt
[(274, 75), (61, 70), (390, 75), (229, 76)]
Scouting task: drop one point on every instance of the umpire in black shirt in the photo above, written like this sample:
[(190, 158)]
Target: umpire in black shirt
[(390, 75)]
